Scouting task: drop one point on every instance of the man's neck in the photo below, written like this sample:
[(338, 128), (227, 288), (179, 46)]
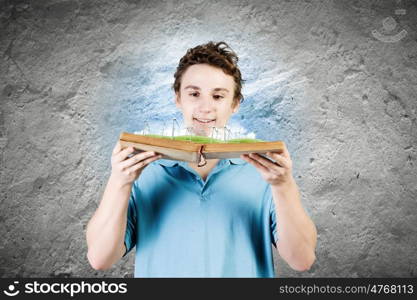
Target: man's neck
[(204, 171)]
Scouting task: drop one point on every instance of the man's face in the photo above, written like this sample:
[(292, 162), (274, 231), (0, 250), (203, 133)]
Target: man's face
[(206, 98)]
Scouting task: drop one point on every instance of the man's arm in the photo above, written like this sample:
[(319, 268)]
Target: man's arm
[(106, 230), (297, 234)]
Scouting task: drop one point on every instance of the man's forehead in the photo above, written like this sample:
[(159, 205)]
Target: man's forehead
[(204, 76)]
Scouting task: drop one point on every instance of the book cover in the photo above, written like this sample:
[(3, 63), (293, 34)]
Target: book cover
[(197, 149)]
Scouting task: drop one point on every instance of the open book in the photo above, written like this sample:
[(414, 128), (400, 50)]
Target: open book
[(197, 148)]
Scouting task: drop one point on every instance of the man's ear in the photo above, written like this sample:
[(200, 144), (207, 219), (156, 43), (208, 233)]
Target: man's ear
[(236, 107), (177, 100)]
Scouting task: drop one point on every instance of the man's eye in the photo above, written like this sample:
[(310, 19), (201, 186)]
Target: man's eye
[(194, 94), (218, 97)]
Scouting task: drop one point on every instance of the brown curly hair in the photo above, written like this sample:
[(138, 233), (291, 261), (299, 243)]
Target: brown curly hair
[(219, 55)]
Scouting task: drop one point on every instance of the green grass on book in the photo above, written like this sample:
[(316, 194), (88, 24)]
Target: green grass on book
[(204, 139)]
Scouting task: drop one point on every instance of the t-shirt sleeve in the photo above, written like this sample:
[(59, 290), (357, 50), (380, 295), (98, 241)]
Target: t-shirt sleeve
[(130, 235), (273, 221)]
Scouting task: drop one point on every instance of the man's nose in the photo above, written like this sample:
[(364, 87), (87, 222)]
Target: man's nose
[(206, 105)]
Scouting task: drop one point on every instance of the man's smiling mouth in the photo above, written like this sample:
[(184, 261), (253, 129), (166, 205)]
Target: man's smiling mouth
[(204, 121)]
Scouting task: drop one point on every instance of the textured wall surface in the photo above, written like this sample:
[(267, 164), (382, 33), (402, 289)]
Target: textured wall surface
[(335, 80)]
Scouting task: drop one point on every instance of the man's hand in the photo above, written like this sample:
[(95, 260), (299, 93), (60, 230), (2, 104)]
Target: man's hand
[(125, 170), (278, 173)]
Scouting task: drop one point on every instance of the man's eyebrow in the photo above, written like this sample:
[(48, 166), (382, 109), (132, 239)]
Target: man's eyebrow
[(197, 88), (221, 89), (192, 87)]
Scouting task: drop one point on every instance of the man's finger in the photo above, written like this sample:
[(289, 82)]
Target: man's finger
[(285, 152), (136, 158), (280, 159), (144, 163), (266, 162), (255, 163), (124, 153), (117, 148)]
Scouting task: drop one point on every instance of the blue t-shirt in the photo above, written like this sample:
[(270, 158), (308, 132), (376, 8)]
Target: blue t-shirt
[(183, 226)]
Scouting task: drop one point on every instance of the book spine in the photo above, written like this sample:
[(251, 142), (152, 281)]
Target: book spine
[(201, 158)]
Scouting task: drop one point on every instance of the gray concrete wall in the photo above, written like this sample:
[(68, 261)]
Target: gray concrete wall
[(336, 80)]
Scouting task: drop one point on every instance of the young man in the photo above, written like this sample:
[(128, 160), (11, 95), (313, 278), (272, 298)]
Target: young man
[(213, 221)]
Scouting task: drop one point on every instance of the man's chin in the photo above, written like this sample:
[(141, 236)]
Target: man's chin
[(202, 131)]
